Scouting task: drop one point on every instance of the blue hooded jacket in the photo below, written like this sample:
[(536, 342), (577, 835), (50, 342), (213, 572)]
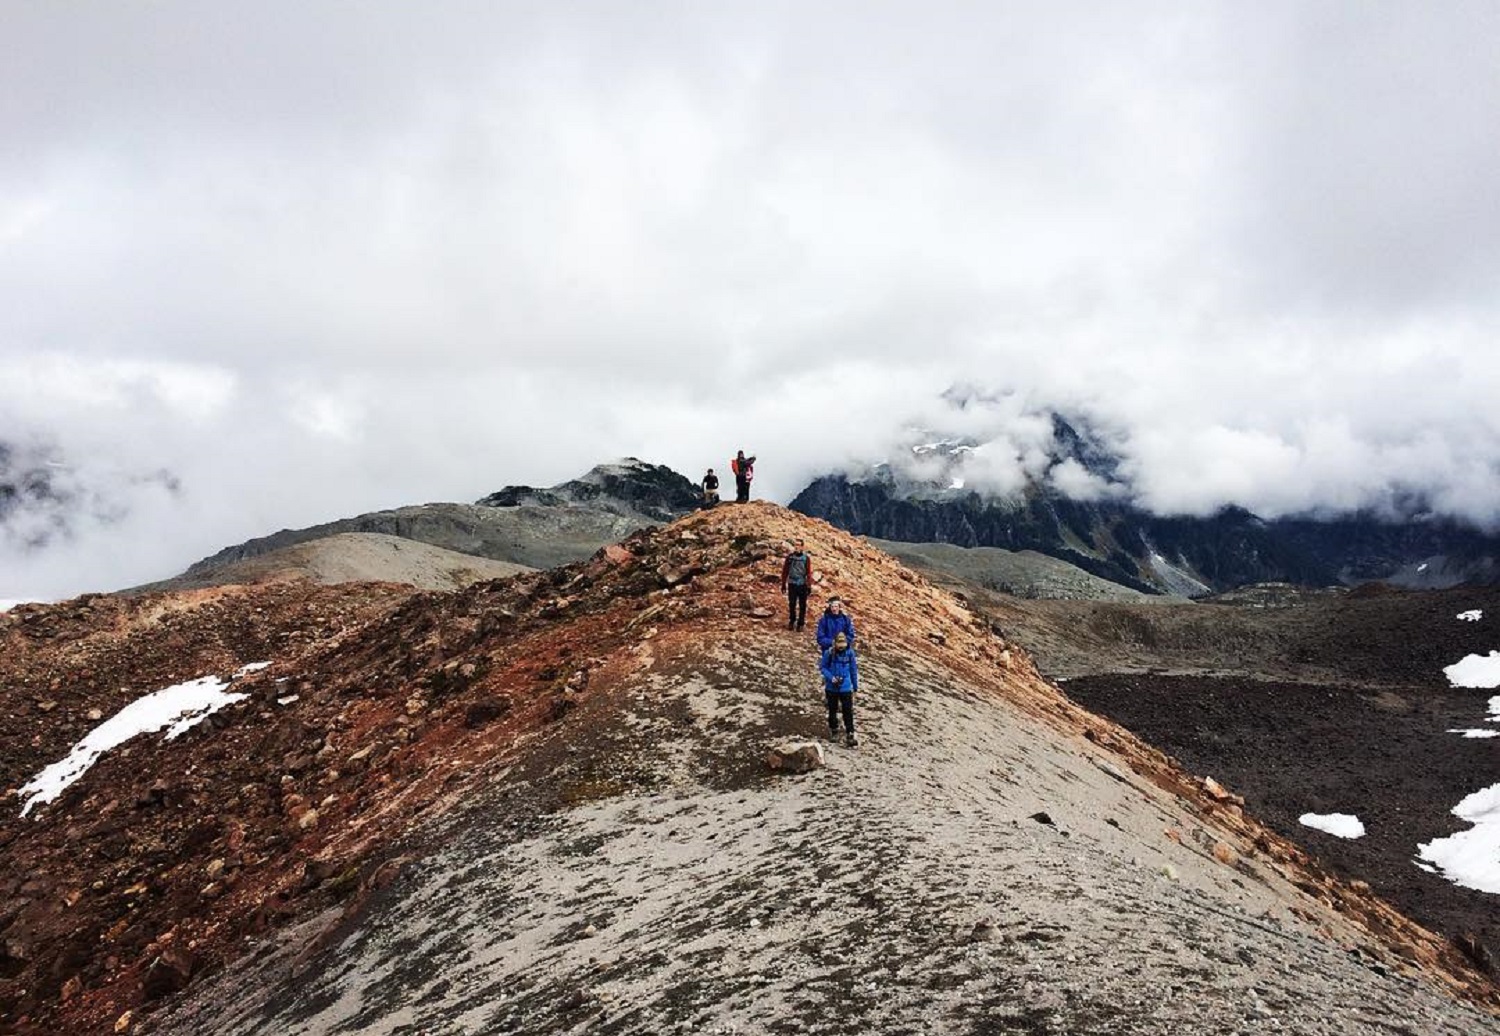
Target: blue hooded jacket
[(831, 625), (840, 664)]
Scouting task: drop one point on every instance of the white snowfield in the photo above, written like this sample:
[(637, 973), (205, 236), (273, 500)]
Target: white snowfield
[(175, 708), (1340, 825), (1471, 858), (1473, 615), (1482, 671)]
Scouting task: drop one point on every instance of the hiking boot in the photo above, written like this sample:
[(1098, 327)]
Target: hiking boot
[(833, 733), (849, 740)]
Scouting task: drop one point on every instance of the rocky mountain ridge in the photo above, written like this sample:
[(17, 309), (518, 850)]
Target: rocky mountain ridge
[(521, 525), (540, 804)]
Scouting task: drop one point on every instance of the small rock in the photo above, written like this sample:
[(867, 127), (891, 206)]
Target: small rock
[(984, 930), (309, 820), (1224, 854), (94, 715), (615, 554), (761, 613), (802, 757), (1043, 818), (937, 638), (122, 1023), (214, 869), (46, 706), (1169, 872), (589, 931), (71, 988)]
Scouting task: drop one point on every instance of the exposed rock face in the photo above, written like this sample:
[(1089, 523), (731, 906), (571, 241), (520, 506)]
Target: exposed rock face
[(479, 838), (629, 486)]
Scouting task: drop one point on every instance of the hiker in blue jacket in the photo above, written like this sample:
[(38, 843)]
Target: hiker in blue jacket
[(840, 681), (834, 621)]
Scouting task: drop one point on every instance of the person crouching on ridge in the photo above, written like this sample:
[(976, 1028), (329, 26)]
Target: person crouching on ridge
[(744, 470), (840, 681), (834, 621), (710, 489), (796, 583)]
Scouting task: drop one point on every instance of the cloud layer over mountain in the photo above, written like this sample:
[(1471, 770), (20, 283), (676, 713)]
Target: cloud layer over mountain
[(316, 259)]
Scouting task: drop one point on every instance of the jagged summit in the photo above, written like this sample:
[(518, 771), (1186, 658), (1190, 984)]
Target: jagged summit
[(540, 805), (627, 486)]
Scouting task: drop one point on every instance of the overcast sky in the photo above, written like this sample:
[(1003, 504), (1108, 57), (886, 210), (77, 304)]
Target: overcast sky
[(317, 258)]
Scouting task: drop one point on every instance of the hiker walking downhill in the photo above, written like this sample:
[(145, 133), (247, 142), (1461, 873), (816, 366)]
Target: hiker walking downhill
[(833, 622), (796, 583), (710, 489), (840, 680), (744, 470)]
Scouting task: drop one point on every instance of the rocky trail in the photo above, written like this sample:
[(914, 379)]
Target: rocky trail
[(541, 804)]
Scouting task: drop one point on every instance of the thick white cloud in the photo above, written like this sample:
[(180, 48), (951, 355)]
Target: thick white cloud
[(317, 258)]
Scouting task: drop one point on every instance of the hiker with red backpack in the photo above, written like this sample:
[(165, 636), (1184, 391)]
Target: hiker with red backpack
[(744, 470)]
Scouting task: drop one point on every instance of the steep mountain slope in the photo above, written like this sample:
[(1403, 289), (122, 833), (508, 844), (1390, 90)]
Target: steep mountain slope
[(540, 804), (1306, 701), (1109, 537), (1025, 573)]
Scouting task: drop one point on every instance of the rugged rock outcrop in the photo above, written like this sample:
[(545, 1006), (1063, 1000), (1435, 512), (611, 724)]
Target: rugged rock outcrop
[(629, 486)]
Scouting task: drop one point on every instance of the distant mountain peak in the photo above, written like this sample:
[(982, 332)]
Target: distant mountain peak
[(628, 486)]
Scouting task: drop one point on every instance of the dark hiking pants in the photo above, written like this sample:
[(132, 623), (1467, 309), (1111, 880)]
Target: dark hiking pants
[(796, 604), (840, 702), (741, 490)]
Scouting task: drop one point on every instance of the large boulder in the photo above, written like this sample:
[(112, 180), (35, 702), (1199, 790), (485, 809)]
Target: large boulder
[(802, 757)]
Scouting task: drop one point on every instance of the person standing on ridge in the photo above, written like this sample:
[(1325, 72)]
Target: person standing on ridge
[(710, 489), (840, 680), (796, 583), (833, 622), (744, 470)]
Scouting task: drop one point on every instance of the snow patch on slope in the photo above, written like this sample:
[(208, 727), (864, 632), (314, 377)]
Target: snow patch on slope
[(1482, 671), (176, 708)]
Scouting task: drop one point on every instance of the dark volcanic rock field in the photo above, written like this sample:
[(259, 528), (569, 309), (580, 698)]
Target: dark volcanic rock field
[(1375, 742)]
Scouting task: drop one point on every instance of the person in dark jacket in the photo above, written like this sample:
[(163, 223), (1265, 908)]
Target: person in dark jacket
[(796, 583), (833, 622), (744, 470), (710, 489), (840, 680)]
